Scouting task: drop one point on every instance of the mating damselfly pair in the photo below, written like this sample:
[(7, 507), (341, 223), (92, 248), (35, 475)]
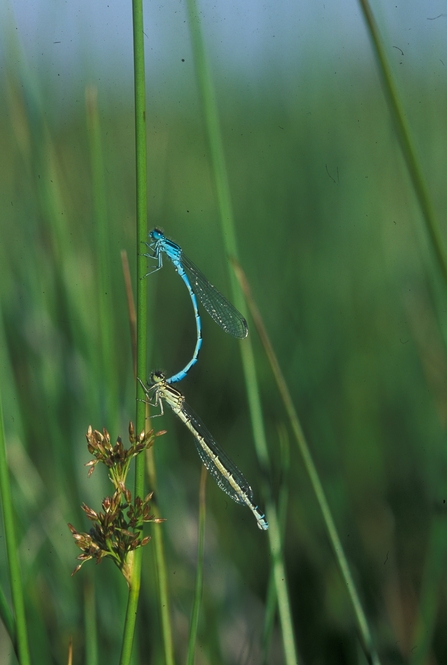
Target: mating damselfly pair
[(226, 474)]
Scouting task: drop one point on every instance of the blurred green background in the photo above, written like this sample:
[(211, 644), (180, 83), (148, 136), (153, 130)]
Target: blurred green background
[(331, 240)]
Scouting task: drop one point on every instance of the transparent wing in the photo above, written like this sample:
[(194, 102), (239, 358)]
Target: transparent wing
[(205, 443), (217, 306)]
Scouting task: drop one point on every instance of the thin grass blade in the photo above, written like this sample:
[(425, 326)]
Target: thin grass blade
[(229, 235), (193, 629), (15, 576), (303, 447)]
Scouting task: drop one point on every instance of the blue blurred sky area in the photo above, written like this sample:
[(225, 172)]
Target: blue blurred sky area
[(86, 41)]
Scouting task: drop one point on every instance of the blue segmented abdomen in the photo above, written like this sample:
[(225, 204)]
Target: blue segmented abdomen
[(217, 306), (183, 373)]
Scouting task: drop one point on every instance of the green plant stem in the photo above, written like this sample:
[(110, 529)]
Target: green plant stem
[(227, 224), (21, 644), (283, 500), (132, 605), (141, 208), (199, 577), (317, 487), (141, 199), (409, 152), (162, 577)]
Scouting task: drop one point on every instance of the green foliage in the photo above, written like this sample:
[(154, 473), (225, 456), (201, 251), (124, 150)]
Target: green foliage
[(325, 222)]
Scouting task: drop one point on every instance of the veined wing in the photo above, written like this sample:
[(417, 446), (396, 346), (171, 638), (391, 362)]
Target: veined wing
[(217, 306), (221, 468)]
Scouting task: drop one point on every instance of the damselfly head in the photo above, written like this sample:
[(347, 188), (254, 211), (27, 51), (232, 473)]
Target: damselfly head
[(156, 234), (157, 377)]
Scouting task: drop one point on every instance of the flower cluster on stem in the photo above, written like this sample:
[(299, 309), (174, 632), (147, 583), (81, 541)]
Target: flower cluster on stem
[(117, 529)]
